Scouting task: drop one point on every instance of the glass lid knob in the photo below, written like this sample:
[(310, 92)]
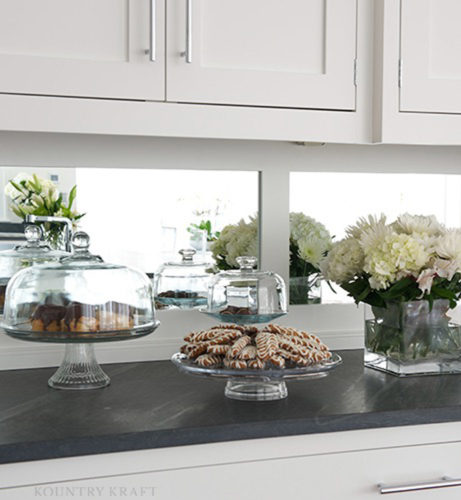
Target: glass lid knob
[(247, 262), (80, 242), (187, 254), (33, 234)]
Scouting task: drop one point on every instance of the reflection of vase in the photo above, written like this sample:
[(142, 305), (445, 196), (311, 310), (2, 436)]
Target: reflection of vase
[(306, 289), (410, 339), (55, 235)]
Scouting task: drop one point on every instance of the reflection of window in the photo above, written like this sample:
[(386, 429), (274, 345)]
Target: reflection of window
[(142, 218), (339, 199)]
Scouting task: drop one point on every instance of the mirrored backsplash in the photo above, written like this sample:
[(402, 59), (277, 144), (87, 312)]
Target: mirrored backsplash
[(336, 201), (142, 218)]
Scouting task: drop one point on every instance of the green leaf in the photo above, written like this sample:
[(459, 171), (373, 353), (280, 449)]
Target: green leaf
[(72, 195)]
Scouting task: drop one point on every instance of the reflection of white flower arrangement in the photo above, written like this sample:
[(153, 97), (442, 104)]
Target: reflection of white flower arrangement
[(413, 258), (32, 195), (309, 242), (234, 241)]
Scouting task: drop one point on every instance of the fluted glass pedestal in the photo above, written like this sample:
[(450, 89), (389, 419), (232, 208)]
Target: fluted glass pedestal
[(79, 370)]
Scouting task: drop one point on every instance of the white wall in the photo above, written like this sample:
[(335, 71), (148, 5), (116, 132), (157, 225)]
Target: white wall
[(339, 324)]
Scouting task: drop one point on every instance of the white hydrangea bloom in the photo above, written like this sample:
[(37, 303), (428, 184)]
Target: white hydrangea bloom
[(344, 261), (397, 256)]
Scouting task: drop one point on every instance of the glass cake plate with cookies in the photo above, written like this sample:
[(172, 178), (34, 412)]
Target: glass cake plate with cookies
[(79, 300), (256, 362), (246, 296)]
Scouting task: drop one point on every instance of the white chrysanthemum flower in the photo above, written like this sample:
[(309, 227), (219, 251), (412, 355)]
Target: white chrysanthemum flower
[(344, 261), (418, 224), (448, 246), (311, 237), (365, 224), (397, 256)]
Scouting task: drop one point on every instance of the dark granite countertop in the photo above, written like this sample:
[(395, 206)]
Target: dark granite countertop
[(151, 405)]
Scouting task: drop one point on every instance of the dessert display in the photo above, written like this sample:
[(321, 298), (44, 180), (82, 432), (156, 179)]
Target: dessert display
[(255, 361), (183, 284), (239, 348), (78, 317), (246, 295), (79, 300), (33, 252)]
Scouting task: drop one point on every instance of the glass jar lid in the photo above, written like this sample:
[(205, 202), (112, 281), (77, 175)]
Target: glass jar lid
[(246, 295), (79, 298)]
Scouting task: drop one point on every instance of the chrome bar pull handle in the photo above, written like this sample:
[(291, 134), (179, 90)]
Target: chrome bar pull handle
[(188, 53), (428, 485), (152, 30)]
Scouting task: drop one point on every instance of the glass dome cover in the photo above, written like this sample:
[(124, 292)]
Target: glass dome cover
[(182, 284), (79, 298), (246, 295), (33, 251)]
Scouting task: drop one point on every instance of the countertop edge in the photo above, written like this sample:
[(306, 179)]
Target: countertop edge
[(93, 445)]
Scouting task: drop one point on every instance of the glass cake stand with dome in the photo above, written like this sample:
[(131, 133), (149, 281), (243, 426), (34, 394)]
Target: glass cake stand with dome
[(246, 296), (33, 252), (79, 300), (183, 284)]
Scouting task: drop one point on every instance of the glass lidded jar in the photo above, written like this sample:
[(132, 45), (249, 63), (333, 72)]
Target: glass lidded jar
[(33, 251), (79, 300), (246, 295), (182, 284)]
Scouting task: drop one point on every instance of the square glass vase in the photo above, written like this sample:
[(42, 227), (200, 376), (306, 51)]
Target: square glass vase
[(410, 338)]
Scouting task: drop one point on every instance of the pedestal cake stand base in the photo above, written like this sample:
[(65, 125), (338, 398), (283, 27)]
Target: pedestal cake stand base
[(79, 370), (256, 390)]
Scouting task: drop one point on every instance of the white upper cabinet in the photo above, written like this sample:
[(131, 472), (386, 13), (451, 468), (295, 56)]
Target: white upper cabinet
[(430, 56), (84, 48), (284, 53)]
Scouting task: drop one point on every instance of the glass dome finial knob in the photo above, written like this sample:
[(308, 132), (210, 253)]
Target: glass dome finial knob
[(187, 254), (80, 241), (246, 262), (33, 233)]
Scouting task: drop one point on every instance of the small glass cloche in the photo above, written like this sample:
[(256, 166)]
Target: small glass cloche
[(79, 300), (182, 284), (245, 295), (34, 251)]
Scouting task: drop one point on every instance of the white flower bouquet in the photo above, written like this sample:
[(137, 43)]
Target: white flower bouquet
[(413, 258), (409, 274), (32, 195)]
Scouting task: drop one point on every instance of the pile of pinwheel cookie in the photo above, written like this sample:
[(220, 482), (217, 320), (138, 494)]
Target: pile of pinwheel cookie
[(241, 347)]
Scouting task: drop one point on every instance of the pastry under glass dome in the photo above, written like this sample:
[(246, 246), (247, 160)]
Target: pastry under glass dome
[(33, 252), (79, 300), (182, 284), (246, 296)]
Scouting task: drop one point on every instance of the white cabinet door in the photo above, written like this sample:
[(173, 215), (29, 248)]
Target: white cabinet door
[(87, 48), (287, 53), (430, 56)]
